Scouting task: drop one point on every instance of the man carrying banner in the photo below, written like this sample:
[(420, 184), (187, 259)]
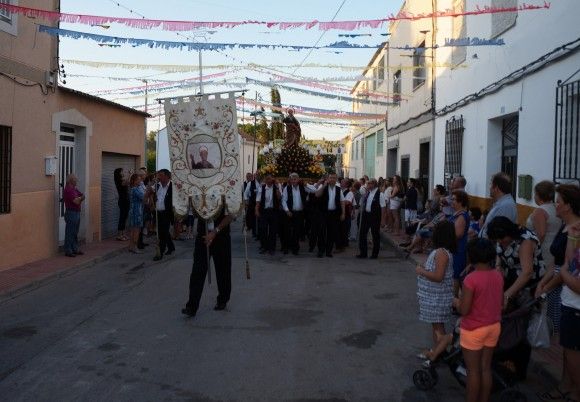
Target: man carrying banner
[(212, 235)]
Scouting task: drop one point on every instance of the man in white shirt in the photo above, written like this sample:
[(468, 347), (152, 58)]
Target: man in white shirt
[(164, 206), (267, 207), (332, 209), (374, 210), (293, 204), (250, 191)]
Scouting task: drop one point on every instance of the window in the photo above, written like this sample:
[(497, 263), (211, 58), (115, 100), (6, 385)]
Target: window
[(405, 167), (5, 168), (8, 21), (567, 141), (356, 156), (459, 53), (501, 22), (397, 88), (453, 148), (381, 70), (419, 70), (380, 142)]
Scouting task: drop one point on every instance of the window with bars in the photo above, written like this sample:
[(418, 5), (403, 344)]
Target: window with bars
[(454, 129), (567, 135), (5, 15), (397, 88), (419, 70), (5, 168), (380, 142)]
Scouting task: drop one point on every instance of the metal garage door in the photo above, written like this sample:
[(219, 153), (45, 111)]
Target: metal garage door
[(109, 197)]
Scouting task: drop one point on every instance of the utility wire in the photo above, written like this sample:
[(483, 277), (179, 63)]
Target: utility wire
[(319, 39)]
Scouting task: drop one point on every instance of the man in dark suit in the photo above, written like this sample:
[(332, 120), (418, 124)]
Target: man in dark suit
[(332, 210), (164, 207), (267, 208), (293, 204), (212, 235), (373, 214)]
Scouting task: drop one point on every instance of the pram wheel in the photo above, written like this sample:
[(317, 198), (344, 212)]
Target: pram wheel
[(425, 379), (512, 395)]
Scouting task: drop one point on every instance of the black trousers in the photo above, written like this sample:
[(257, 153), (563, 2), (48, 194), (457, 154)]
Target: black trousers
[(123, 215), (368, 221), (251, 218), (328, 231), (283, 223), (294, 230), (344, 231), (221, 254), (268, 229), (163, 224)]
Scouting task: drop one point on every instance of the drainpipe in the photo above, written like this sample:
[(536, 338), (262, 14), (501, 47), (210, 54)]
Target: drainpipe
[(433, 93)]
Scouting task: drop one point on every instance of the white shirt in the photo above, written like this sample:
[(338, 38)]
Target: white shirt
[(161, 193), (269, 195), (247, 191), (363, 190), (331, 195), (296, 198), (350, 198), (371, 197)]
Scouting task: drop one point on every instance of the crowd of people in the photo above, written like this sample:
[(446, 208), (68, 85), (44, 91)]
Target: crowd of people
[(480, 264)]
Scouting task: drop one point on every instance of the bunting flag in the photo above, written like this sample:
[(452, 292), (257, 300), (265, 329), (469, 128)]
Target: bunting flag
[(304, 110), (204, 150), (196, 46), (161, 85), (145, 23), (178, 68), (321, 94)]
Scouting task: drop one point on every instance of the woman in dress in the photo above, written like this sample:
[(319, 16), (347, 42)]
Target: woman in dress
[(123, 202), (398, 193), (460, 219), (564, 248), (435, 282), (135, 212)]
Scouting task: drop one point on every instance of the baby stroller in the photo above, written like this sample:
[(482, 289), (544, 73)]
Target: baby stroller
[(510, 360)]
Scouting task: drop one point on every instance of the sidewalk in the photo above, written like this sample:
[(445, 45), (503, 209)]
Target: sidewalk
[(546, 362), (15, 281)]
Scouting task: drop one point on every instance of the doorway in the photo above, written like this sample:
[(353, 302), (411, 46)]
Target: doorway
[(424, 155), (509, 149), (66, 161)]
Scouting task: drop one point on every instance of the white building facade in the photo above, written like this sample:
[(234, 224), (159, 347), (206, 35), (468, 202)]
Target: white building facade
[(500, 113)]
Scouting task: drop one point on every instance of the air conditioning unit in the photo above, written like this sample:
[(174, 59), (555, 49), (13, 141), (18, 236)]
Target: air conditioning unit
[(50, 79)]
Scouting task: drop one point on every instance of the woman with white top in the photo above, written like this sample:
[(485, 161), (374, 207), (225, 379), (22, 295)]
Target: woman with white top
[(388, 194)]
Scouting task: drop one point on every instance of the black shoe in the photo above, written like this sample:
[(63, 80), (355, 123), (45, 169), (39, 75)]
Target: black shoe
[(329, 255), (70, 255), (188, 312), (361, 256), (157, 257), (169, 252), (285, 252), (374, 257), (220, 306), (79, 252), (320, 255)]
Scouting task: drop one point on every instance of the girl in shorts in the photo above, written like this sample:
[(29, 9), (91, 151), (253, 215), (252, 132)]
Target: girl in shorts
[(480, 305)]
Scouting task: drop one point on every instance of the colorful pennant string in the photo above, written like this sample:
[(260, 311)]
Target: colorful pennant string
[(321, 94), (196, 46), (177, 68), (167, 25)]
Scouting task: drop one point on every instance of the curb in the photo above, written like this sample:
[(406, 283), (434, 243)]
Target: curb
[(38, 283)]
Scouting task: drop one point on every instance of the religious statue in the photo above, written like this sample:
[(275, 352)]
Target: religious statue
[(293, 131)]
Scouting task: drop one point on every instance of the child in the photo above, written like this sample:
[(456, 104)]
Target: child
[(474, 227), (435, 281), (480, 305)]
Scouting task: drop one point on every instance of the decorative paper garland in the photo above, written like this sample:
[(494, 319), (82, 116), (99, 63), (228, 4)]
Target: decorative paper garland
[(167, 25)]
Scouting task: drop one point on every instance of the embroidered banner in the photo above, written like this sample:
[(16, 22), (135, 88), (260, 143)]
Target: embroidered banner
[(204, 151)]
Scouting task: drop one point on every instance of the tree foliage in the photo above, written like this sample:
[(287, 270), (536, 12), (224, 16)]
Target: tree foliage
[(277, 127), (151, 154)]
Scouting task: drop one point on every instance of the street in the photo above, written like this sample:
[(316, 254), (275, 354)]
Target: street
[(302, 329)]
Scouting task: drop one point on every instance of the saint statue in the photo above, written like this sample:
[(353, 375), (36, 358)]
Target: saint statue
[(293, 131)]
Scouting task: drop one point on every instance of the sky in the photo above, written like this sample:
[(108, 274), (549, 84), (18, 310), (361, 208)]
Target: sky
[(92, 80)]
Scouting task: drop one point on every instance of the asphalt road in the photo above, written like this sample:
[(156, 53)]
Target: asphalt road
[(302, 329)]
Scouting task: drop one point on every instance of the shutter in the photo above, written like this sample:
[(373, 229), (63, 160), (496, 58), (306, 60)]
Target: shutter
[(109, 197)]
